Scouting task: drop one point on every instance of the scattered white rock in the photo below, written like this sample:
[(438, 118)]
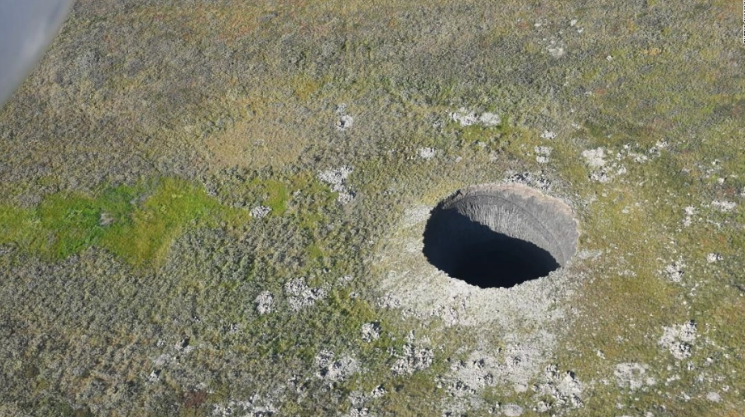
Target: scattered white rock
[(413, 359), (595, 158), (358, 412), (630, 375), (154, 376), (259, 212), (378, 392), (426, 153), (533, 180), (547, 134), (556, 52), (659, 145), (254, 406), (542, 152), (573, 22), (565, 389), (337, 179), (370, 331), (472, 374), (346, 279), (345, 197), (464, 117), (264, 302), (713, 257), (344, 120), (689, 213), (638, 157), (724, 206), (601, 170), (675, 271), (300, 295), (335, 370), (489, 119), (512, 410), (713, 397), (678, 339), (467, 118)]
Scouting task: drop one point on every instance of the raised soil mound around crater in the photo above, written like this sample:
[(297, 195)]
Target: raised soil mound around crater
[(500, 235)]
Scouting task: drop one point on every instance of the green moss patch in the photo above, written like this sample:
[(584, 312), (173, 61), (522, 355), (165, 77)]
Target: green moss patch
[(137, 223)]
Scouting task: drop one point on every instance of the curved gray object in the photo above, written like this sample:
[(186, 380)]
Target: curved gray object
[(26, 29)]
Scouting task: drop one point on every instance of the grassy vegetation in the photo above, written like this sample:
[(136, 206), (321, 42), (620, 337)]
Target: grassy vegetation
[(137, 223)]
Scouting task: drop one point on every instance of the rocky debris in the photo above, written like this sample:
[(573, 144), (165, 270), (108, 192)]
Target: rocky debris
[(467, 118), (264, 303), (595, 158), (358, 400), (183, 347), (335, 370), (565, 389), (473, 374), (522, 362), (607, 164), (511, 410), (154, 376), (723, 206), (378, 392), (252, 407), (489, 119), (259, 212), (713, 257), (542, 154), (539, 181), (413, 359), (556, 51), (548, 135), (343, 121), (300, 295), (358, 412), (713, 397), (426, 153), (689, 213), (370, 331), (337, 179), (674, 272), (632, 375), (602, 171), (678, 339)]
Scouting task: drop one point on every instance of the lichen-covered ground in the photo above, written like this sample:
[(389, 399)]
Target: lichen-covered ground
[(214, 208)]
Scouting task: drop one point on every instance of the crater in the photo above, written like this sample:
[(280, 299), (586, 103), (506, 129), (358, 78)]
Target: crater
[(499, 236)]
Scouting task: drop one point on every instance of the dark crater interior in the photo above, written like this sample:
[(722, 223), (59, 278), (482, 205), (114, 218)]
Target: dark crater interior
[(500, 236)]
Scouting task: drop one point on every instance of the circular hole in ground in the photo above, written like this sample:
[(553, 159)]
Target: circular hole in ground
[(500, 235)]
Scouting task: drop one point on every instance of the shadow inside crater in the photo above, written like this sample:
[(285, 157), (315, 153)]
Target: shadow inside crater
[(468, 250)]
